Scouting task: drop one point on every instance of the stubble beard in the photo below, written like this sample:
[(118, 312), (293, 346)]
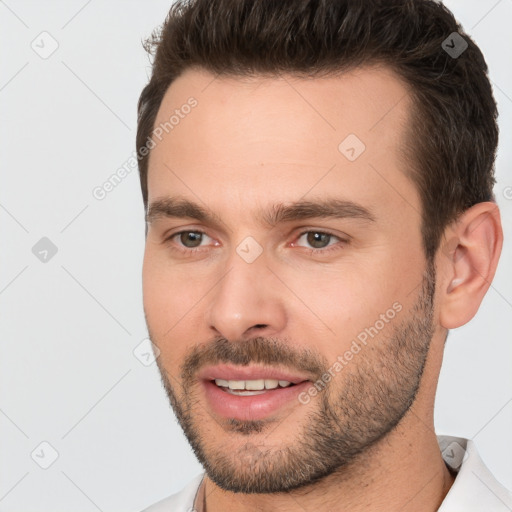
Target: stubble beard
[(360, 406)]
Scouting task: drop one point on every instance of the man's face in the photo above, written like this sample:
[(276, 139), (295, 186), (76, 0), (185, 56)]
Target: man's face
[(333, 291)]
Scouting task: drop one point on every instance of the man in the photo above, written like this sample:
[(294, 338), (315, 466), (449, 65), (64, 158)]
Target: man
[(317, 177)]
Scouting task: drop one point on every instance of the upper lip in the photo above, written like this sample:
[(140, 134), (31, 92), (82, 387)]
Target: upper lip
[(230, 372)]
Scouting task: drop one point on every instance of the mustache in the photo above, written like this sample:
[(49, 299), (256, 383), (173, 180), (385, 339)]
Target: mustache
[(262, 350)]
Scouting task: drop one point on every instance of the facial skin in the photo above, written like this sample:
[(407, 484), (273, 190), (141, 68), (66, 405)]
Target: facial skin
[(246, 147)]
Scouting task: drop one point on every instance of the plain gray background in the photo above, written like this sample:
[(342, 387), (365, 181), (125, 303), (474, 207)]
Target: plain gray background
[(69, 377)]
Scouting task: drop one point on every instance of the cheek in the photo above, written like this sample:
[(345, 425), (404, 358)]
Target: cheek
[(156, 293), (168, 290), (337, 305), (171, 298)]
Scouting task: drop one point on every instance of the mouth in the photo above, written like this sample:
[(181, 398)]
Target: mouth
[(250, 393), (251, 387)]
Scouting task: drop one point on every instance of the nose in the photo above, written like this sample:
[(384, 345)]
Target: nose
[(246, 301)]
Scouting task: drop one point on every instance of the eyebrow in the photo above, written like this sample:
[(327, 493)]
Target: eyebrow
[(330, 208)]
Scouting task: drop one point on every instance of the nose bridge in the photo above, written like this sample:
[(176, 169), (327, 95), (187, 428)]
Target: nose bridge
[(245, 297)]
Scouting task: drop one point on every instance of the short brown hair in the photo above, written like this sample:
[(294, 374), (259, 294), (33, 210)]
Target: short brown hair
[(453, 133)]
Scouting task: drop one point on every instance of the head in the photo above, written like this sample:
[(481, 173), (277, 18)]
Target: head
[(317, 178)]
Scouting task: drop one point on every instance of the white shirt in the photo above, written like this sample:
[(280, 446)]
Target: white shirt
[(474, 488)]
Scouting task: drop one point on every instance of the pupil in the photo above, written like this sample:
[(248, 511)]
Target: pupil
[(318, 240), (190, 239)]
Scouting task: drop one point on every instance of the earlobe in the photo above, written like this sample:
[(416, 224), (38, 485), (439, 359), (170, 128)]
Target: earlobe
[(468, 262)]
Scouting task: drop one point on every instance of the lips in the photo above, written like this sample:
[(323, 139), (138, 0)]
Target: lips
[(243, 402)]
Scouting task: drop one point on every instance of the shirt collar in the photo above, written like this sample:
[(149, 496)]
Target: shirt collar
[(475, 488)]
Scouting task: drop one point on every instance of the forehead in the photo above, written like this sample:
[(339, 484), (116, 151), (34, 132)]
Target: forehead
[(279, 138)]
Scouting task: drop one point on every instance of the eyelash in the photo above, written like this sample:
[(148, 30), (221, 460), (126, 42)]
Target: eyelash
[(310, 251)]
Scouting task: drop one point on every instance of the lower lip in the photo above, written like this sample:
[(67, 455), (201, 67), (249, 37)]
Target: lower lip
[(255, 407)]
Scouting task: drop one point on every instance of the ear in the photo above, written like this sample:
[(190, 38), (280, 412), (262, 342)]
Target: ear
[(467, 262)]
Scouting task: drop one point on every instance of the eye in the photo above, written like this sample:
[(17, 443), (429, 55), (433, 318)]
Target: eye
[(188, 239), (318, 241)]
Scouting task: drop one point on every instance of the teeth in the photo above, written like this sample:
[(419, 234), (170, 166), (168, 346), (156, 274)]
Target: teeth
[(236, 384), (271, 383), (252, 385)]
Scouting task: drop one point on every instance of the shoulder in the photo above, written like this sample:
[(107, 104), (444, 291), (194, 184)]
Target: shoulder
[(182, 501)]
